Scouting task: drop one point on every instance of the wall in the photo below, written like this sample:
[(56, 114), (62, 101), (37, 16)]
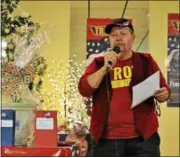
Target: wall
[(158, 25)]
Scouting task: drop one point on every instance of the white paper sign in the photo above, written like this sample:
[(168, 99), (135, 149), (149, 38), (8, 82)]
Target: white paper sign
[(45, 123), (145, 89), (7, 123)]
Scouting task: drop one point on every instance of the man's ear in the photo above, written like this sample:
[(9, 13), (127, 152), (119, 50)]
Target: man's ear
[(133, 36)]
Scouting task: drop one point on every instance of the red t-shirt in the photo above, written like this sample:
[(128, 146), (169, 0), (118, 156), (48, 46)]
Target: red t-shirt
[(121, 120)]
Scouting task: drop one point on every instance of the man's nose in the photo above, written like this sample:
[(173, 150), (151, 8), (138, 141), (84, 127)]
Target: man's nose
[(118, 37)]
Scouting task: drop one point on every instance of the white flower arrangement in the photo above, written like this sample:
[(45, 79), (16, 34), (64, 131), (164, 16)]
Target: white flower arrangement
[(20, 34)]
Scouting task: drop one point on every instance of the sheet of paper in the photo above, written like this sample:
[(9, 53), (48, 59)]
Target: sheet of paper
[(44, 123), (145, 89), (7, 123)]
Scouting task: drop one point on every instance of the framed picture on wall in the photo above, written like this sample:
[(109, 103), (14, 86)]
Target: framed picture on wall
[(173, 55)]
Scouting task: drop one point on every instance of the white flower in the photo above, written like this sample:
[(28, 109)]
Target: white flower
[(10, 16), (7, 30), (25, 28), (25, 14), (8, 39), (4, 6), (3, 53), (22, 29), (10, 46), (14, 37), (11, 56), (13, 2), (4, 44)]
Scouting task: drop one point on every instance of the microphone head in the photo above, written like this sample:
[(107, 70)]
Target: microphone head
[(116, 49)]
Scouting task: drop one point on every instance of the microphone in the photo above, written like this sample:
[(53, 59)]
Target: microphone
[(116, 49)]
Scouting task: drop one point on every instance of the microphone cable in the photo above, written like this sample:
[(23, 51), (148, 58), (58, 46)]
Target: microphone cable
[(111, 116), (116, 49)]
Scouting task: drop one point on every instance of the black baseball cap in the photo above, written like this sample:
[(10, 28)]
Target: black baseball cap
[(122, 22)]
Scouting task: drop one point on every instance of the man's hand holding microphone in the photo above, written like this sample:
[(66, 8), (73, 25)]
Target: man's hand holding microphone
[(110, 58)]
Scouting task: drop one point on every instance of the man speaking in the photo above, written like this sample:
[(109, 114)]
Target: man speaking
[(118, 130)]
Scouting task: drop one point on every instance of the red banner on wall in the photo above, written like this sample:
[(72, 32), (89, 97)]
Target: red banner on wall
[(173, 24), (173, 58), (95, 28)]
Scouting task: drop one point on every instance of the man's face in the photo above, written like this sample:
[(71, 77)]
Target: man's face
[(122, 37)]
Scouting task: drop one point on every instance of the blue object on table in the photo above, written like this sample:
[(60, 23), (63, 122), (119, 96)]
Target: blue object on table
[(7, 127), (62, 137)]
